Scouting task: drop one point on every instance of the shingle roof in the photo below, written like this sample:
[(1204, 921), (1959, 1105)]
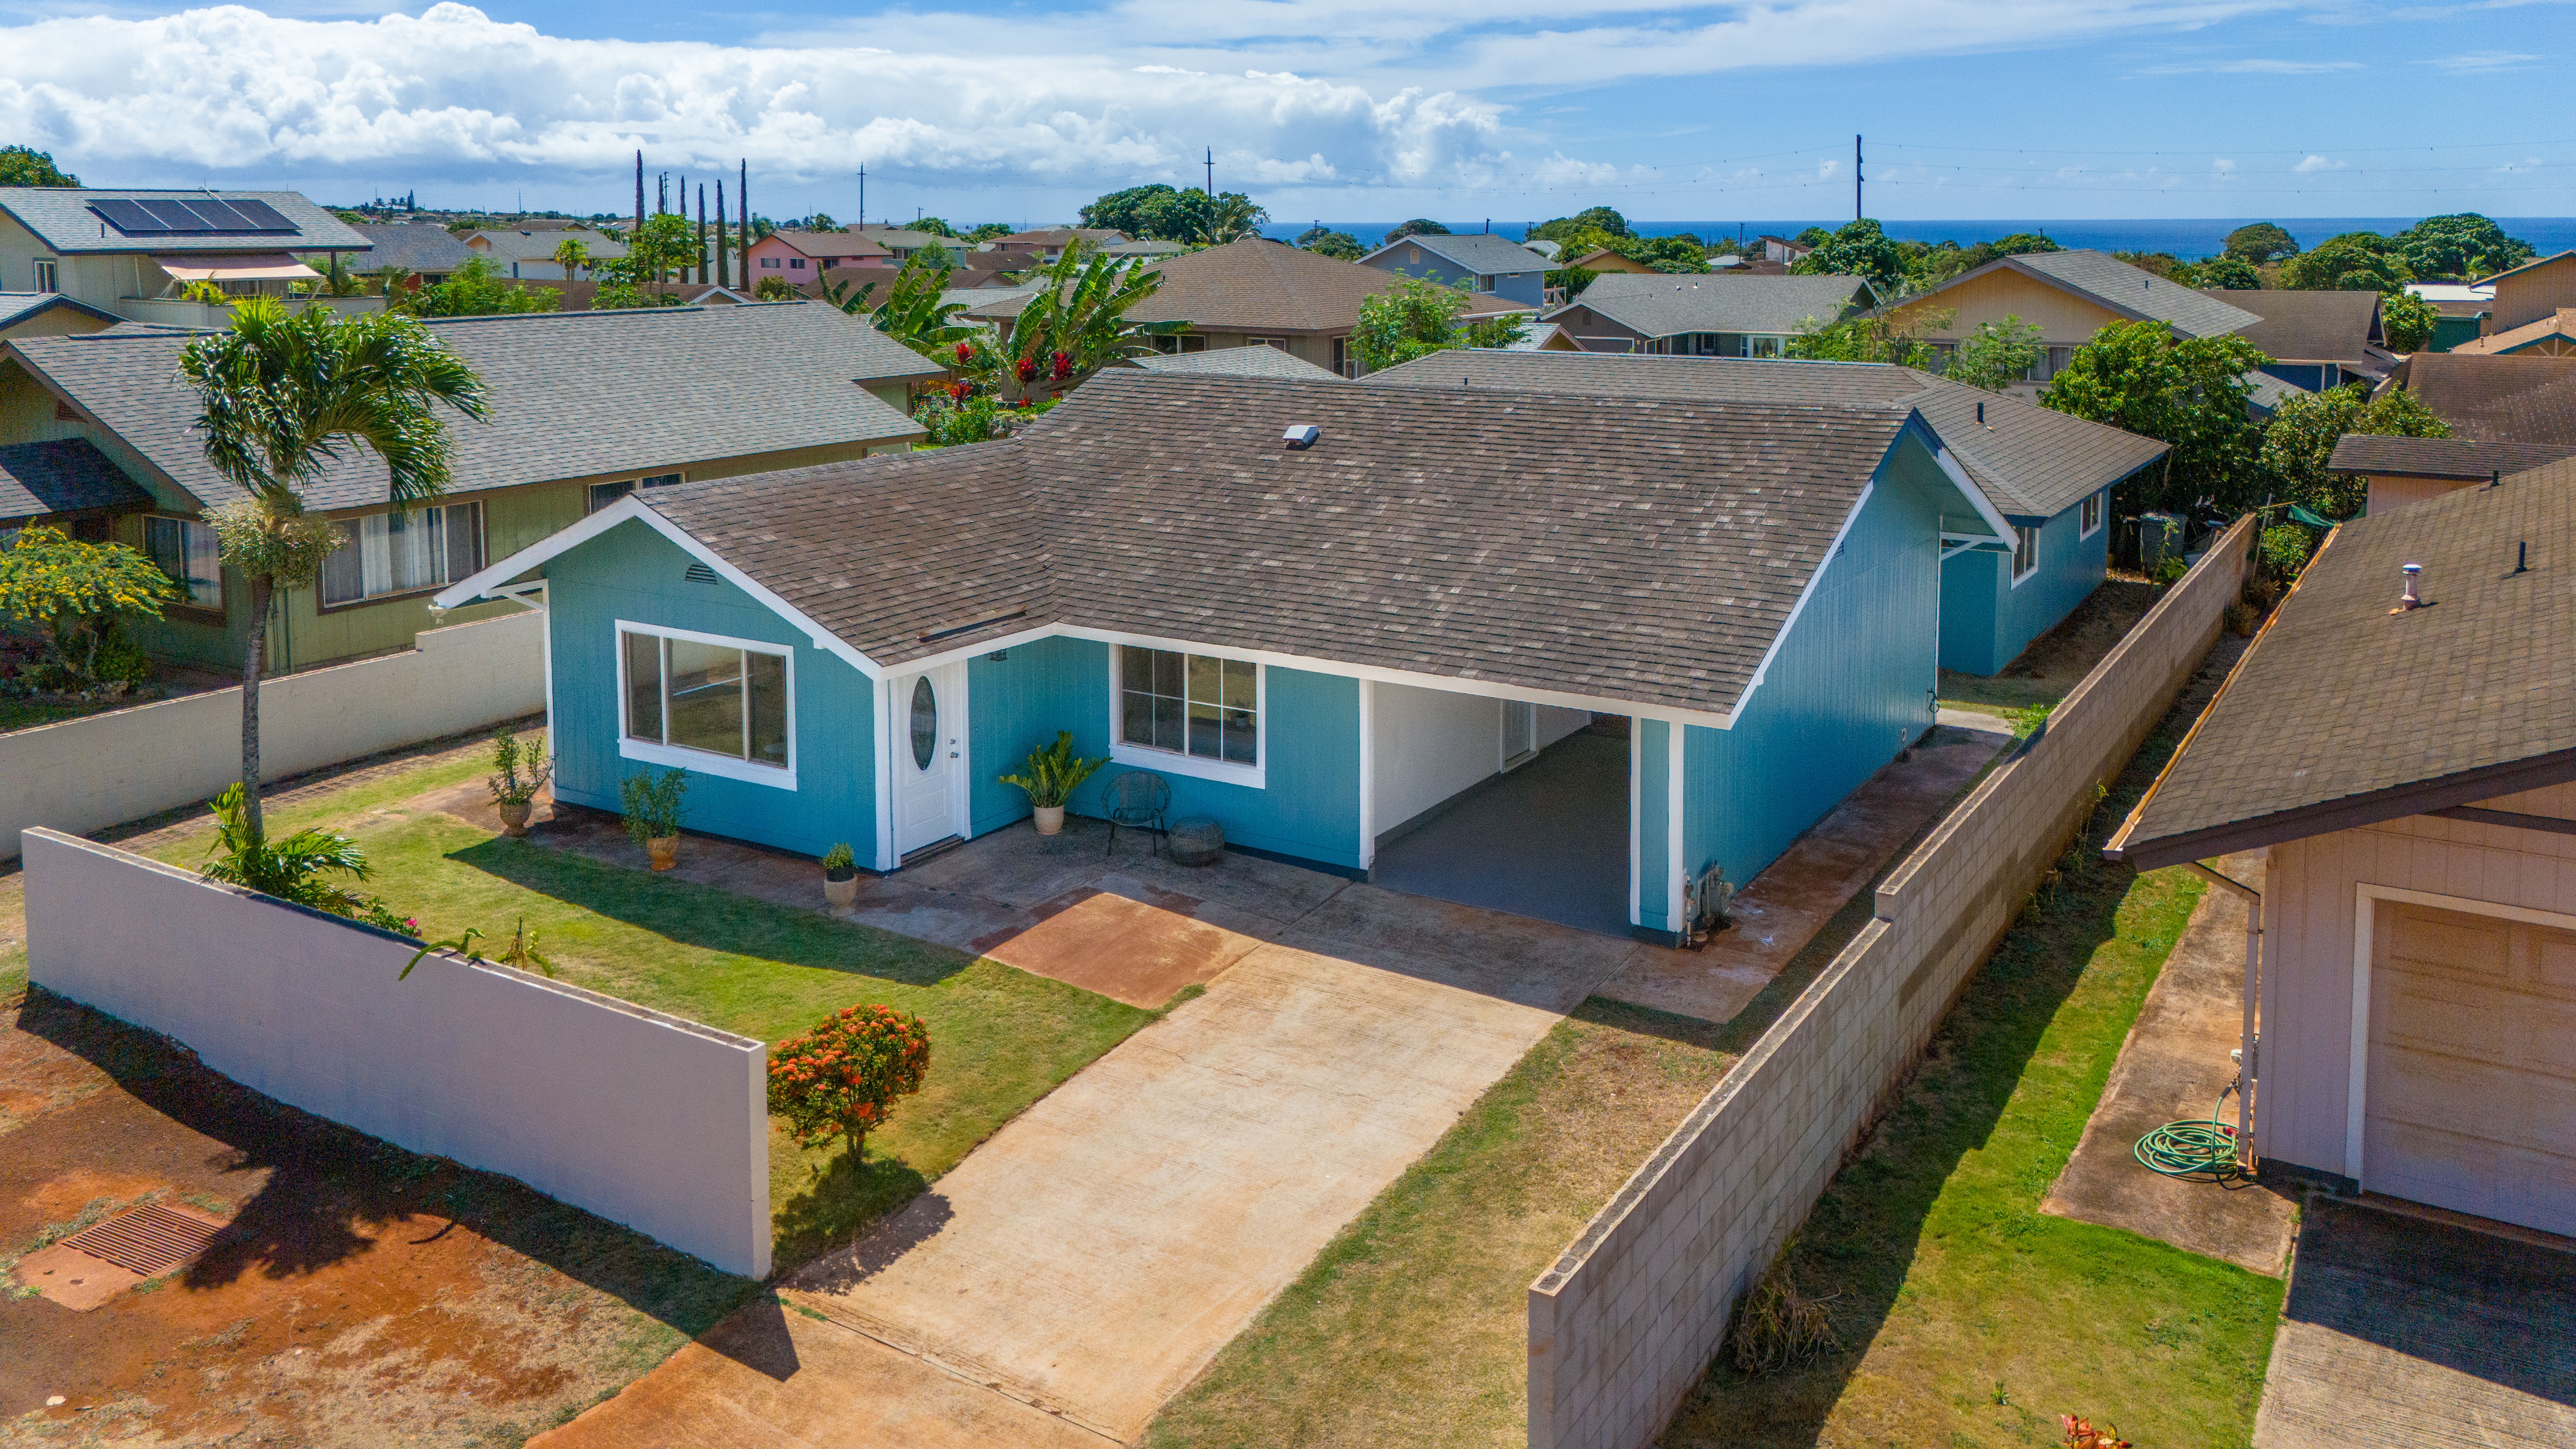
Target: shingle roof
[(530, 245), (2344, 712), (574, 394), (1636, 549), (2131, 291), (1480, 252), (415, 246), (2034, 463), (2517, 398), (1236, 362), (828, 243), (1262, 286), (17, 307), (2313, 326), (2558, 324), (2441, 457), (61, 215), (2267, 392), (64, 476), (1664, 305)]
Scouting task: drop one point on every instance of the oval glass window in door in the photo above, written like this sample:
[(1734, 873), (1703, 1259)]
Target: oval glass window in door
[(925, 723)]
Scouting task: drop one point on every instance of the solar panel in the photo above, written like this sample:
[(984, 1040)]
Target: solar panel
[(128, 217), (174, 215), (220, 215), (261, 215)]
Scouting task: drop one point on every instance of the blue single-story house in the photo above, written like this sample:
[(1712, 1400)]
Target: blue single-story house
[(1314, 645), (1480, 261), (2048, 474)]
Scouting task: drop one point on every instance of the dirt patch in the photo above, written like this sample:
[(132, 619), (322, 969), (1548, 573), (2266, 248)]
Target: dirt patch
[(2058, 660), (357, 1294)]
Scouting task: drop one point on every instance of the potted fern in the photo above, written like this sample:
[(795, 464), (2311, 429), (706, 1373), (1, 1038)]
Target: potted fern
[(521, 770), (653, 813), (1050, 777), (840, 877)]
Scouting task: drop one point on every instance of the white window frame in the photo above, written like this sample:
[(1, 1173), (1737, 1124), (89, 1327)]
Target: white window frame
[(48, 275), (682, 757), (592, 502), (2023, 532), (2088, 516), (1254, 776), (353, 532)]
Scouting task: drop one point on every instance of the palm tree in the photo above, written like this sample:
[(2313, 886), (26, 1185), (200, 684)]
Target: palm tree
[(281, 395), (1077, 324), (572, 256)]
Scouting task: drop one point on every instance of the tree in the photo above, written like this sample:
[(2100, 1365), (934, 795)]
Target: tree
[(27, 166), (1591, 218), (2406, 320), (1996, 354), (81, 595), (2188, 393), (1867, 339), (2261, 242), (1860, 249), (912, 312), (1416, 318), (2357, 261), (822, 221), (989, 231), (840, 1080), (476, 289), (572, 256), (1124, 210), (2458, 247), (1419, 226), (1193, 218), (2228, 272), (1077, 322), (664, 244), (1930, 266), (767, 289), (2300, 441), (281, 396), (935, 226), (1325, 242)]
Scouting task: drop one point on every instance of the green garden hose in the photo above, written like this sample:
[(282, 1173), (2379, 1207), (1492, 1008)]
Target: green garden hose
[(2192, 1148)]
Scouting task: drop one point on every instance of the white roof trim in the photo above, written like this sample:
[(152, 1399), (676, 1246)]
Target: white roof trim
[(1977, 498)]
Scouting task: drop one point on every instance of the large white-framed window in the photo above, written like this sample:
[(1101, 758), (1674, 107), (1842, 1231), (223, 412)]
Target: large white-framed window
[(386, 554), (185, 550), (2025, 552), (2088, 516), (1187, 714), (707, 702)]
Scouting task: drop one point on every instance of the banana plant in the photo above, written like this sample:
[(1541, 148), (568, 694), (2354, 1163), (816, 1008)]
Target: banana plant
[(912, 312), (1077, 323)]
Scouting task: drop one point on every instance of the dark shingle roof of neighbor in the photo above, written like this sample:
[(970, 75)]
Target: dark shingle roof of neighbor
[(1667, 304), (1476, 251), (2033, 463), (17, 307), (2441, 457), (415, 246), (2344, 713), (574, 394), (1636, 549), (2312, 326), (65, 476), (61, 216), (2132, 291), (1254, 361), (2495, 399)]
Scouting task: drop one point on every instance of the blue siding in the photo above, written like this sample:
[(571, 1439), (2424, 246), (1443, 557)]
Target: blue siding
[(2314, 376), (1652, 742), (1016, 704), (633, 573), (1528, 288), (1851, 686), (1986, 621), (1971, 588)]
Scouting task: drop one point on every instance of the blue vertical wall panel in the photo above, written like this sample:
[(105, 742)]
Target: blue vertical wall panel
[(1986, 622), (1017, 703), (633, 573), (1851, 686), (1971, 587), (1652, 742)]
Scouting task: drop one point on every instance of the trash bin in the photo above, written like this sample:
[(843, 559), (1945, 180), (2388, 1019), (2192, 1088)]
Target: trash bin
[(2159, 538)]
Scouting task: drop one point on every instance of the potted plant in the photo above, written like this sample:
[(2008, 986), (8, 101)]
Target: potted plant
[(1051, 776), (653, 813), (521, 770), (840, 877)]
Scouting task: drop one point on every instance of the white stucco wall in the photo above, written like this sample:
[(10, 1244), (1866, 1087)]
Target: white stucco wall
[(645, 1119), (1428, 744)]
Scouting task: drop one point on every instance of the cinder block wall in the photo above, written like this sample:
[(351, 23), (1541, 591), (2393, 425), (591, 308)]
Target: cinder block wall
[(1630, 1315)]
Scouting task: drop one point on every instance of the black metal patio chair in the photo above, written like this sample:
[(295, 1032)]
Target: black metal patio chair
[(1139, 799)]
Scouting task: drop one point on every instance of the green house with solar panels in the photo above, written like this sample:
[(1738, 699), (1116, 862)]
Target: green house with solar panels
[(139, 253)]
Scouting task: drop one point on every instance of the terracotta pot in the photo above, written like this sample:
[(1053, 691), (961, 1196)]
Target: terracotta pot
[(665, 850), (514, 817), (1050, 819), (840, 892)]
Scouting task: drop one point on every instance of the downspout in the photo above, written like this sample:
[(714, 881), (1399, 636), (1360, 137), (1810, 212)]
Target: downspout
[(2245, 1060)]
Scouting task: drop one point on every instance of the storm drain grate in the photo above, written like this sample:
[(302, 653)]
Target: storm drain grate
[(150, 1240)]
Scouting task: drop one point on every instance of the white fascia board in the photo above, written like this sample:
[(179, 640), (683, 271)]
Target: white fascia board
[(1960, 480), (630, 507), (1814, 581)]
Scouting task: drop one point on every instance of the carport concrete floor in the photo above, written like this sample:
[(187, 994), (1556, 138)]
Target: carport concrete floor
[(2401, 1330), (1549, 839), (2172, 1068)]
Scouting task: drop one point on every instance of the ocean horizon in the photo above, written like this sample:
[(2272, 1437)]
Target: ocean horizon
[(2189, 238)]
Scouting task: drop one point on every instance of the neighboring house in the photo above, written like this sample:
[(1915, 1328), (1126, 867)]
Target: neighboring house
[(2460, 312), (528, 252), (131, 253), (431, 253), (1312, 646), (584, 406), (1049, 242), (1148, 247), (1233, 362), (899, 243), (1711, 315), (2407, 772), (2532, 292), (1546, 337), (2068, 296), (799, 257), (2317, 340), (2520, 399), (67, 483), (2050, 475), (49, 314), (1784, 252), (2398, 471), (1607, 260), (1742, 266), (1479, 261), (2551, 336), (1255, 293)]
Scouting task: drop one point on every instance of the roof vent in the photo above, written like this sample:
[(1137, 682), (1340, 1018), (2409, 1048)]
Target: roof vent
[(2412, 598), (1301, 435), (1981, 414), (698, 573)]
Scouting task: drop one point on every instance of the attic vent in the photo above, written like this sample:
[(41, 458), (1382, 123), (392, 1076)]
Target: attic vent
[(700, 574), (1301, 435)]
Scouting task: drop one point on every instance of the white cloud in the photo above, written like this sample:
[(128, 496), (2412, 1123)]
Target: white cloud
[(2481, 61), (2315, 163), (2254, 67), (2222, 169)]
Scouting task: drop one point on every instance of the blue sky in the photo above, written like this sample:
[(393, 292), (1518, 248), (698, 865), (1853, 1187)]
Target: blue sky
[(1333, 108)]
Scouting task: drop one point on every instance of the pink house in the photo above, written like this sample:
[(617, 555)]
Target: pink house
[(801, 256)]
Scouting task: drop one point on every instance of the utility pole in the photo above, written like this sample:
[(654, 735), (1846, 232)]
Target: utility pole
[(1211, 166), (702, 231), (742, 196), (863, 198), (1856, 211), (639, 192)]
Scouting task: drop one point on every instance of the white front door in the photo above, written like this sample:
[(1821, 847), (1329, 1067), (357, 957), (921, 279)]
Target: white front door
[(1520, 731), (927, 730)]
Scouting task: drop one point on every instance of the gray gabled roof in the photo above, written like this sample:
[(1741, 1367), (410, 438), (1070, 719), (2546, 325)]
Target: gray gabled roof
[(2314, 326), (2130, 291), (61, 216), (1479, 252), (65, 476), (2034, 463), (1666, 305), (1637, 549), (414, 246), (1254, 361), (17, 307), (574, 394), (2461, 458)]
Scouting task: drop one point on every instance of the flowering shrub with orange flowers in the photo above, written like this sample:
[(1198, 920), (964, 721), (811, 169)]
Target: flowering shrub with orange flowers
[(840, 1079)]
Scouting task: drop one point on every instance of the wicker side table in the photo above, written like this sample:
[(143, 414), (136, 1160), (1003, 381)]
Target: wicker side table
[(1196, 840)]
